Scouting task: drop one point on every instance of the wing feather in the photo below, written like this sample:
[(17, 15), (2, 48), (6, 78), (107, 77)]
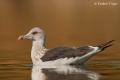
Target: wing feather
[(65, 52)]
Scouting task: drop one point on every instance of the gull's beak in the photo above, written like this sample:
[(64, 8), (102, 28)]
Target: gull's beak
[(22, 37)]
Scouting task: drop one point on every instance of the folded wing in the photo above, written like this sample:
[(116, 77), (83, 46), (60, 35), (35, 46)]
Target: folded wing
[(65, 52)]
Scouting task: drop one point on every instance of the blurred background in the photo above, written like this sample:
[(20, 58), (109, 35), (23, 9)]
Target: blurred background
[(65, 22)]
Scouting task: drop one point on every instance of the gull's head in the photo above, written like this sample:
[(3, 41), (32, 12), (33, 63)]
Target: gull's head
[(34, 34)]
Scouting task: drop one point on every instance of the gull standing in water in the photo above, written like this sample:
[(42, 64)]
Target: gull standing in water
[(61, 55)]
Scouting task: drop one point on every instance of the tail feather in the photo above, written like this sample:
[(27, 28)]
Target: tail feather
[(87, 56), (105, 45)]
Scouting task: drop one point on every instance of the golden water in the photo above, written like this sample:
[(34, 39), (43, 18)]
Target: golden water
[(66, 23)]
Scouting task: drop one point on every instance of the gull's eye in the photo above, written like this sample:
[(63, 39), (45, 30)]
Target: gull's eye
[(34, 33)]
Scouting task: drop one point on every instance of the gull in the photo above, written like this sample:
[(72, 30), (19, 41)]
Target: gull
[(58, 56)]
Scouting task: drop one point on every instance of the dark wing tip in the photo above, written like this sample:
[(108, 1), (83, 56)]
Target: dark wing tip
[(105, 45)]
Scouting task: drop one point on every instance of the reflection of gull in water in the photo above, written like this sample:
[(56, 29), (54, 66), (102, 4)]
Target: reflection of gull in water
[(63, 72), (37, 73)]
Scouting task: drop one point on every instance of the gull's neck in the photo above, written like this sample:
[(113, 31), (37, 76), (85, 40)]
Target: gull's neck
[(38, 50), (38, 43)]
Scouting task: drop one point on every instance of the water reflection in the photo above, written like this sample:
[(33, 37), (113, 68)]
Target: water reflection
[(108, 70), (63, 73)]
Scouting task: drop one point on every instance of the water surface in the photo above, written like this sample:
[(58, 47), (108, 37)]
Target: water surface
[(97, 70), (70, 23)]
